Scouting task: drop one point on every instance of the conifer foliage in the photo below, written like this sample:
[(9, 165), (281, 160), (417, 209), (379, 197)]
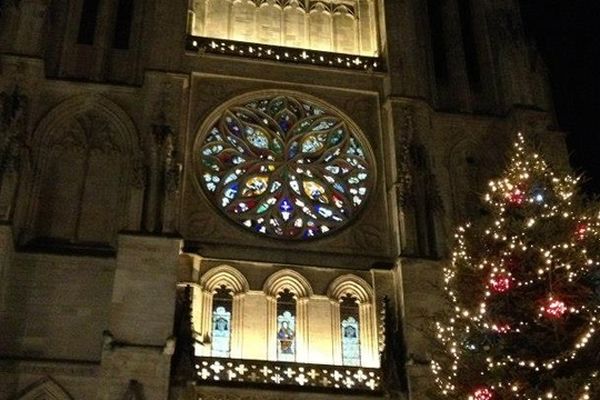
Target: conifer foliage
[(524, 293)]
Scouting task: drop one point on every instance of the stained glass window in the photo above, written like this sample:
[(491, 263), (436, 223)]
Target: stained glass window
[(285, 167), (350, 330), (286, 326), (221, 322)]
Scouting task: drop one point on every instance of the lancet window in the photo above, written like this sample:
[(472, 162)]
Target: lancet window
[(341, 26)]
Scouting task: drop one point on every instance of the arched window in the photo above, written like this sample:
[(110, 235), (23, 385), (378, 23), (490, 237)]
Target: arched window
[(350, 330), (217, 312), (356, 326), (222, 309), (287, 293), (286, 326)]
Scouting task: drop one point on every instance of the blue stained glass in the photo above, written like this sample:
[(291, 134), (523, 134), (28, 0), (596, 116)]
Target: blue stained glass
[(309, 233), (285, 205), (293, 150), (231, 191), (284, 124), (326, 212), (286, 336), (221, 333), (232, 125), (350, 342)]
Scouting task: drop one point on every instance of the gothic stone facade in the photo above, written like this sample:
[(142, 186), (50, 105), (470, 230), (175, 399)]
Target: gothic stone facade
[(104, 107)]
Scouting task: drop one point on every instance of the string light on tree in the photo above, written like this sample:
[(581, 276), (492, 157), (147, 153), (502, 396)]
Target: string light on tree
[(524, 313)]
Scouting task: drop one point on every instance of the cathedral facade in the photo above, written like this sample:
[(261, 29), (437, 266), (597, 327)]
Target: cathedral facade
[(243, 199)]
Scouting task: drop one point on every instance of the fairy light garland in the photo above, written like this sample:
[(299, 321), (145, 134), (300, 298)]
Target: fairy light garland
[(526, 257)]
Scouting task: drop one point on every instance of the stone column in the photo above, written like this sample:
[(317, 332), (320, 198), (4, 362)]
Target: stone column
[(421, 299), (6, 251), (138, 345), (403, 44)]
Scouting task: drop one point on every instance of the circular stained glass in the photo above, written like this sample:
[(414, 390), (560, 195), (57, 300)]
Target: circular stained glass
[(285, 167)]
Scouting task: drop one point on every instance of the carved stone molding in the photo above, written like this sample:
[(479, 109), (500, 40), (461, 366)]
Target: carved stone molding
[(45, 388)]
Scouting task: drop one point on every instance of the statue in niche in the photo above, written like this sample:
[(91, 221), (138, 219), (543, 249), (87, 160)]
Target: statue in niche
[(286, 338)]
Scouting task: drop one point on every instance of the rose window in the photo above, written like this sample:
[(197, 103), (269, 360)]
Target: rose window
[(285, 167)]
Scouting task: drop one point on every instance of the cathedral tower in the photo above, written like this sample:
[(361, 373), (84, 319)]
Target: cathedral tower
[(233, 199)]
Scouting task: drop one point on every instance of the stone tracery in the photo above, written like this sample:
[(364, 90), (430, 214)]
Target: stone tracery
[(285, 167)]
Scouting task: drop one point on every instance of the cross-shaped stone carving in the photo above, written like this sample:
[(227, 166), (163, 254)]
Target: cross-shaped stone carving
[(336, 375), (289, 372), (265, 370), (230, 374), (360, 376), (348, 382), (204, 373), (301, 379), (217, 367), (325, 382), (276, 378), (371, 384), (253, 377), (241, 369), (313, 374)]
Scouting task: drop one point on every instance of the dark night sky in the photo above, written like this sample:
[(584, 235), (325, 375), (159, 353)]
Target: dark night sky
[(567, 33)]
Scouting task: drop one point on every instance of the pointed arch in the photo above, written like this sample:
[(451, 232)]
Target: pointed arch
[(287, 279), (85, 180), (47, 389), (81, 104), (351, 284), (221, 295), (224, 275)]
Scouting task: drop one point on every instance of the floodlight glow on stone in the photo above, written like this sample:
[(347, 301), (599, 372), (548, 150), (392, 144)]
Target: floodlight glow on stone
[(271, 164)]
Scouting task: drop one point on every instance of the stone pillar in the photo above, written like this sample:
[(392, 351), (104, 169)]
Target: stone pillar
[(421, 300), (417, 208), (137, 346), (458, 81), (6, 251), (402, 43)]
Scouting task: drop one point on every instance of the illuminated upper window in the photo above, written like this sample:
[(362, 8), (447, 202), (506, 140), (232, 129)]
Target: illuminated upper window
[(341, 26), (284, 167)]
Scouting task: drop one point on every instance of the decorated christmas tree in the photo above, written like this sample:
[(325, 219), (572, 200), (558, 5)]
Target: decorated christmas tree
[(524, 293)]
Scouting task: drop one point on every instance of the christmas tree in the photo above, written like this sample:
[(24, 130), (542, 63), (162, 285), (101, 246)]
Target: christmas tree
[(524, 294)]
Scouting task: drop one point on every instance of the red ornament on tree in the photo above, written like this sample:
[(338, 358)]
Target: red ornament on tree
[(483, 394), (516, 197), (500, 283), (555, 308), (581, 230)]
